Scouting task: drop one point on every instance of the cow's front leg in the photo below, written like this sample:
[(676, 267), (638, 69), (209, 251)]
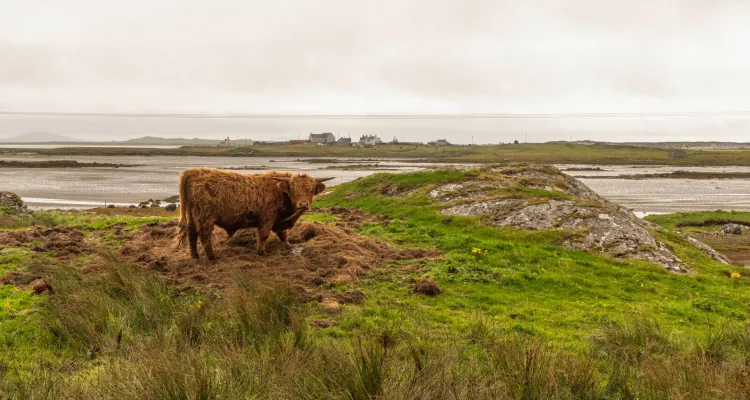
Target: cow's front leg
[(264, 230), (284, 237)]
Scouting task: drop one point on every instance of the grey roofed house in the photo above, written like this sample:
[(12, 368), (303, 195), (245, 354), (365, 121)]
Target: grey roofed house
[(439, 142), (344, 141), (325, 137)]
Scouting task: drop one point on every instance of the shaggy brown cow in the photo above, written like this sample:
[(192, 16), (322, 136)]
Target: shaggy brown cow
[(270, 202)]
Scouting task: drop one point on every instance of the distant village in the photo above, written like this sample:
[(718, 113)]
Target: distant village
[(329, 139)]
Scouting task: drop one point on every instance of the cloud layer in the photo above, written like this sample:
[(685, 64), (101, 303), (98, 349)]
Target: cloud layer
[(393, 56)]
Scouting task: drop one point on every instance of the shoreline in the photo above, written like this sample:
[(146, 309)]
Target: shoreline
[(61, 164), (545, 153)]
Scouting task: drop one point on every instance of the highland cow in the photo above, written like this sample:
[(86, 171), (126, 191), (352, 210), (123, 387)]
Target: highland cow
[(233, 201)]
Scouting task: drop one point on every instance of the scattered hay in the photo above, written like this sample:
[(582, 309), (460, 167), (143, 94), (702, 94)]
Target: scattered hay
[(19, 278), (26, 280), (354, 217), (426, 286), (330, 305), (64, 241), (320, 255), (353, 297), (40, 286)]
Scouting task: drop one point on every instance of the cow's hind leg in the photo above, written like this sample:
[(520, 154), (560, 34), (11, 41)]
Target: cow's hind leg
[(193, 240), (206, 233)]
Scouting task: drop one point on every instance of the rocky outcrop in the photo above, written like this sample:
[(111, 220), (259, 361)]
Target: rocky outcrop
[(13, 201), (541, 197), (732, 229)]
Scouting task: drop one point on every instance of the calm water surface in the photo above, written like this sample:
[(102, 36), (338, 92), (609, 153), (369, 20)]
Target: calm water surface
[(157, 178)]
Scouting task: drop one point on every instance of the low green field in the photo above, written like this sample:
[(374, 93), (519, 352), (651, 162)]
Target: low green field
[(706, 219), (518, 316), (553, 153), (707, 227)]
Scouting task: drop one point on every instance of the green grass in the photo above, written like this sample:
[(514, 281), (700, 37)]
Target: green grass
[(526, 282), (527, 152), (77, 219)]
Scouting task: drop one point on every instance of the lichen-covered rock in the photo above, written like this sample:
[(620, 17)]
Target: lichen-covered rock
[(542, 197), (732, 229), (14, 202)]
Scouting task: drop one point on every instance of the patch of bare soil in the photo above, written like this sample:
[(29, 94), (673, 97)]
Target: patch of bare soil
[(354, 217), (394, 190), (735, 247), (19, 278), (28, 280), (320, 255), (64, 241), (426, 286)]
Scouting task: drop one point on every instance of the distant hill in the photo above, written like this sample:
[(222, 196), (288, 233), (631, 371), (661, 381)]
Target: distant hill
[(693, 145), (155, 141), (36, 137), (46, 137)]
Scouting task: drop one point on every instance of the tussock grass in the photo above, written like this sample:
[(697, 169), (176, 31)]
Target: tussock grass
[(123, 335), (10, 220)]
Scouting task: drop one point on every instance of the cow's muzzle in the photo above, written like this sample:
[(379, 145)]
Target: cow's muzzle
[(296, 214)]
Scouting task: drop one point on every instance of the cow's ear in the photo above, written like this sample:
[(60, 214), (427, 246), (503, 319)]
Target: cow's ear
[(320, 187), (284, 185)]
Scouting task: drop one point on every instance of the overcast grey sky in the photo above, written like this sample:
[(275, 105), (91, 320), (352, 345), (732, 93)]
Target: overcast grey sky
[(387, 56)]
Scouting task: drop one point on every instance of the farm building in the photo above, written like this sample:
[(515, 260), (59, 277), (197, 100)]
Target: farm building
[(439, 142), (325, 138), (344, 142)]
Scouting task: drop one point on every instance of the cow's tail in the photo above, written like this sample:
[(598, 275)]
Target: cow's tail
[(182, 226)]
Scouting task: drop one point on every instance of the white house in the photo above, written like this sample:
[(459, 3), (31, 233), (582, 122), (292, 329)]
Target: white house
[(370, 140)]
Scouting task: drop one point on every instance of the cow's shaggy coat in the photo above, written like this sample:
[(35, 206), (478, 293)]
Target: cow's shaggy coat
[(270, 202)]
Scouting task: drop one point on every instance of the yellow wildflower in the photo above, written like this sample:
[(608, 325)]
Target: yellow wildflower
[(198, 304), (735, 275)]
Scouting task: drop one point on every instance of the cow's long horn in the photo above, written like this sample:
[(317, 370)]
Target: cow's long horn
[(280, 179), (323, 179)]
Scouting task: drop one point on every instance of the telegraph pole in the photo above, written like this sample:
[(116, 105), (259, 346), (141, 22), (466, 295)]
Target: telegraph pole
[(527, 136)]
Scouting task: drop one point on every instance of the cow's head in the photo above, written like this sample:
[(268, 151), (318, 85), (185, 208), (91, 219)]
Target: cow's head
[(301, 188)]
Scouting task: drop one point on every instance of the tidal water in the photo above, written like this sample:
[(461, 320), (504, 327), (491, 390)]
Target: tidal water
[(156, 178)]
